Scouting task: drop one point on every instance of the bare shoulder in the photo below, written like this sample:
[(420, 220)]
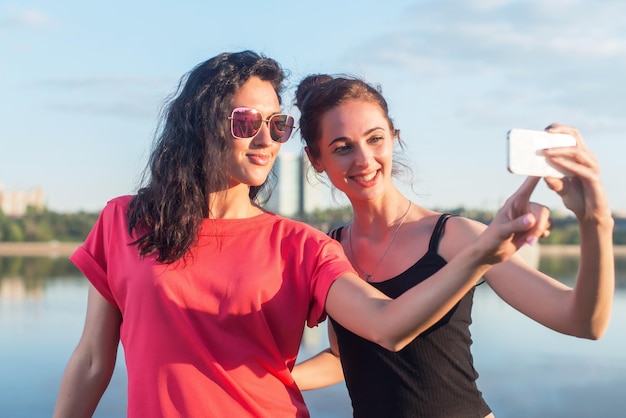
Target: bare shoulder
[(459, 232)]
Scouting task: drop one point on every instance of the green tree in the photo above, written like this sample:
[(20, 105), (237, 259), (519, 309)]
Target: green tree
[(13, 232)]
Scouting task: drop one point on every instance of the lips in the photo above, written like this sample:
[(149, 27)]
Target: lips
[(365, 179), (260, 159)]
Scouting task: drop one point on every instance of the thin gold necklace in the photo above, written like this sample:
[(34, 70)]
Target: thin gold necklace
[(369, 277)]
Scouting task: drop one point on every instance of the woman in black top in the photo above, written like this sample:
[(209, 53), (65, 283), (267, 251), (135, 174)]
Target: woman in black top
[(395, 244)]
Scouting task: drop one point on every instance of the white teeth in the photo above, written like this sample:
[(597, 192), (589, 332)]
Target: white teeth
[(368, 177)]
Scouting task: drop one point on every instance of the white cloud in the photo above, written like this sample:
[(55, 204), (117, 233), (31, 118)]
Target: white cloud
[(26, 18), (123, 96), (565, 58), (471, 32)]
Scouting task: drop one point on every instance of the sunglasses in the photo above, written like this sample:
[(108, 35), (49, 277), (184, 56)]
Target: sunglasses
[(245, 123)]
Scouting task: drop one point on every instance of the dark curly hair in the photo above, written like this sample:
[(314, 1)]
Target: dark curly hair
[(185, 165)]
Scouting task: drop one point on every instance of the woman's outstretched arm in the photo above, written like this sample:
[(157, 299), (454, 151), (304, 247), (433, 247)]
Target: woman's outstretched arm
[(394, 323), (583, 310)]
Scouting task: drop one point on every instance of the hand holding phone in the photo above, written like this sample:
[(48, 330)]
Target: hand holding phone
[(524, 152)]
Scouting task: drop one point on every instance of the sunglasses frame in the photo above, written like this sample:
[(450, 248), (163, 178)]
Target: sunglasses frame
[(267, 121)]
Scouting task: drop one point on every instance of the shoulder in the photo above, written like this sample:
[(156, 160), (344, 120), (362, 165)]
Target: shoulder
[(115, 211), (299, 228), (119, 202), (458, 233), (463, 225), (309, 239), (109, 230)]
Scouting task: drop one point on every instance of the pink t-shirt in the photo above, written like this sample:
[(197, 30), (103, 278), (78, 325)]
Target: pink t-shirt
[(217, 333)]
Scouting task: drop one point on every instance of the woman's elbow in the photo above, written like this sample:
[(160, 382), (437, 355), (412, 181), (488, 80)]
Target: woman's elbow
[(97, 364), (390, 342), (596, 332), (593, 330), (593, 336)]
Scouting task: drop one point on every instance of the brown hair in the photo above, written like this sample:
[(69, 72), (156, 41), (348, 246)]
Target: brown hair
[(318, 93)]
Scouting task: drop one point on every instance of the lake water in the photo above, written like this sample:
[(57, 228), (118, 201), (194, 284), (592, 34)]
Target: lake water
[(525, 369)]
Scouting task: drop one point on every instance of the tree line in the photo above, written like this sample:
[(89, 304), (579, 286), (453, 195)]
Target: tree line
[(46, 225), (564, 229)]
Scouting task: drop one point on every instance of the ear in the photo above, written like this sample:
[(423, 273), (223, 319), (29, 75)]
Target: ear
[(316, 165)]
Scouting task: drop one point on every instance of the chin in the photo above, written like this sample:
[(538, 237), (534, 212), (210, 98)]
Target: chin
[(258, 183)]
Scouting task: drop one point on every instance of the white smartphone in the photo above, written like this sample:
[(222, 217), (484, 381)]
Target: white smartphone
[(524, 149)]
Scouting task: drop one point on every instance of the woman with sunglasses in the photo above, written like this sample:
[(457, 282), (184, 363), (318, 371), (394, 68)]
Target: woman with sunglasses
[(209, 293), (396, 245)]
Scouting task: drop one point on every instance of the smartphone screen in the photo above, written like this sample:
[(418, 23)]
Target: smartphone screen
[(524, 152)]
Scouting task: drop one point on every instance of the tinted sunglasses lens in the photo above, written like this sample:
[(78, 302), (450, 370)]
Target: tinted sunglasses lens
[(281, 127), (245, 123)]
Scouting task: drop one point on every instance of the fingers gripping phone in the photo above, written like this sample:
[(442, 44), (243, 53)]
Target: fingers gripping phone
[(524, 152)]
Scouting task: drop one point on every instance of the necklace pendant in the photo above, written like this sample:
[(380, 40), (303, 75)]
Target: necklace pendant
[(368, 277)]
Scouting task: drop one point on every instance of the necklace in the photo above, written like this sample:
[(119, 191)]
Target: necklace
[(369, 277)]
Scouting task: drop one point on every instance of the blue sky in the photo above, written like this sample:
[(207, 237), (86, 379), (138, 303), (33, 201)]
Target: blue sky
[(82, 83)]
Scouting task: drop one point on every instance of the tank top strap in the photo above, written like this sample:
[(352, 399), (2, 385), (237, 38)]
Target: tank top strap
[(433, 245), (336, 233)]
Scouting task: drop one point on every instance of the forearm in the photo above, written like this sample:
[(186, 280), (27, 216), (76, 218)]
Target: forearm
[(83, 383), (91, 366), (426, 303), (321, 370), (394, 323), (595, 284)]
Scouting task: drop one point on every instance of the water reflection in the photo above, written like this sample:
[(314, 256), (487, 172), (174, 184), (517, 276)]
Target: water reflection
[(35, 271), (27, 277), (564, 268)]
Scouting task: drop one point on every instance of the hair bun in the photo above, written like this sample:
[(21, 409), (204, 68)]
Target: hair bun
[(309, 82)]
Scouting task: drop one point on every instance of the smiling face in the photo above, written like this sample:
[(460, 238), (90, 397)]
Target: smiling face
[(250, 160), (356, 149)]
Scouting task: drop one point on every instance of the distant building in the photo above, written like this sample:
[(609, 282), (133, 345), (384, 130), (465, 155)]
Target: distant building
[(286, 196), (294, 194), (15, 203), (316, 195)]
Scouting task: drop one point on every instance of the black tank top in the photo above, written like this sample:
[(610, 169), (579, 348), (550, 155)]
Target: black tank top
[(433, 376)]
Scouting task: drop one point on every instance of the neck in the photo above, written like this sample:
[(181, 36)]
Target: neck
[(376, 218), (393, 230), (233, 203)]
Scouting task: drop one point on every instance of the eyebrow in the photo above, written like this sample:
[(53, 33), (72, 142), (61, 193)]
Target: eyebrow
[(345, 138), (263, 114)]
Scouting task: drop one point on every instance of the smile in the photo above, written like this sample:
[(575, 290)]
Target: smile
[(364, 178), (260, 159)]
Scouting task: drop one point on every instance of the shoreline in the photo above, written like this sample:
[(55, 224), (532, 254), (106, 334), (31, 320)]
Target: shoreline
[(38, 249), (573, 250), (58, 249)]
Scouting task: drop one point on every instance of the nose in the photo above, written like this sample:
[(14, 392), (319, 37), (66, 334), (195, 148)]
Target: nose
[(362, 156), (263, 138)]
